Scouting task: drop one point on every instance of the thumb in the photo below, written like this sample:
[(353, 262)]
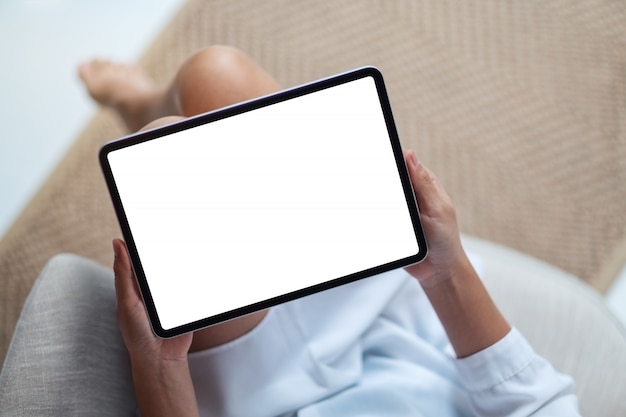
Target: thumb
[(125, 285), (430, 195)]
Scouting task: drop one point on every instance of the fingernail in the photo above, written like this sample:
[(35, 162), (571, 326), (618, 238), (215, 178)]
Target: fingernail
[(115, 249), (413, 158)]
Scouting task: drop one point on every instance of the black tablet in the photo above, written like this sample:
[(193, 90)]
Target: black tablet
[(263, 202)]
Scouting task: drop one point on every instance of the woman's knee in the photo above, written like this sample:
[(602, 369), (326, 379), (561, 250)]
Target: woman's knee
[(216, 58), (162, 121), (218, 76)]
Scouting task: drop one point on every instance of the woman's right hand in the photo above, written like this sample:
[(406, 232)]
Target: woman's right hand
[(160, 369), (141, 342)]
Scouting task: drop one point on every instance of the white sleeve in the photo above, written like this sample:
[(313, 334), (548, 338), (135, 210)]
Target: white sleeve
[(510, 379)]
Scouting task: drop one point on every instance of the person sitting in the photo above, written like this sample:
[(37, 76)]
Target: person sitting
[(424, 340)]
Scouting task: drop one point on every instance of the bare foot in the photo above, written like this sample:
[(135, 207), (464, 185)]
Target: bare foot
[(125, 89)]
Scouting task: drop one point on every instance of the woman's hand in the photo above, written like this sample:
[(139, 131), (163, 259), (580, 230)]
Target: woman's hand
[(160, 369), (140, 341), (471, 319), (439, 222)]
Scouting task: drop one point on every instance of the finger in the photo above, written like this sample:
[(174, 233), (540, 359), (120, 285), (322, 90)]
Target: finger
[(428, 191), (125, 285)]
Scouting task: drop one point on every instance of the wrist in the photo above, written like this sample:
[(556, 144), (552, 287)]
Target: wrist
[(148, 365), (467, 312), (457, 267), (163, 387)]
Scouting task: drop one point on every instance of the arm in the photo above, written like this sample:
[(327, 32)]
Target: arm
[(160, 370), (497, 366), (469, 316)]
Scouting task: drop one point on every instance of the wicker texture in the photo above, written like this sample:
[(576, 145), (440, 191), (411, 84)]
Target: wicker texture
[(518, 106)]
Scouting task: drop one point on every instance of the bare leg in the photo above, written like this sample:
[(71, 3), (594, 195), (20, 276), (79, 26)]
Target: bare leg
[(212, 78), (127, 90)]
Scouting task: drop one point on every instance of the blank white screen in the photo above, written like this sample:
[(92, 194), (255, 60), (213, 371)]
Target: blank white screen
[(264, 203)]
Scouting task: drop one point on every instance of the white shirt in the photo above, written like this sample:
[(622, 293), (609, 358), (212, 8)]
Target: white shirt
[(372, 348)]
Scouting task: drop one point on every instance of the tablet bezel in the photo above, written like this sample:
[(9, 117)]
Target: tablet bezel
[(233, 110)]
